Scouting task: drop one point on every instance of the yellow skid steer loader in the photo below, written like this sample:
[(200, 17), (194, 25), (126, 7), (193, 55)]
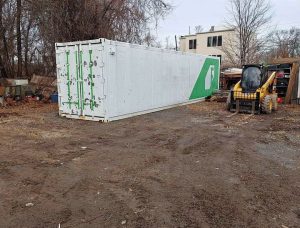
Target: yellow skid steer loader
[(255, 93)]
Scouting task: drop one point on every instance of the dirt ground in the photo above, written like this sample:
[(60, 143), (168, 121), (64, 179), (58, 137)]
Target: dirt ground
[(191, 166)]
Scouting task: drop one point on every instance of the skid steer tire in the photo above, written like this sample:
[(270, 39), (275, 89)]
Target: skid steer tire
[(267, 105), (228, 102), (275, 102)]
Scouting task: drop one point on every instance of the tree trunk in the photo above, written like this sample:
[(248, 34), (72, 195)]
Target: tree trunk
[(5, 65), (19, 38), (26, 48), (3, 73)]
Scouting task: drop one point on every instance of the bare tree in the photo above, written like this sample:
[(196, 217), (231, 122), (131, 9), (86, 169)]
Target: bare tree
[(19, 38), (283, 43), (6, 39), (30, 28), (126, 21), (247, 17), (2, 32), (199, 29)]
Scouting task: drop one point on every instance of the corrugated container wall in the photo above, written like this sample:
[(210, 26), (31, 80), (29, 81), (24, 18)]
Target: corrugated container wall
[(105, 80)]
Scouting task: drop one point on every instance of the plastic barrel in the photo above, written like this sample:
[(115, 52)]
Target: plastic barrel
[(54, 98)]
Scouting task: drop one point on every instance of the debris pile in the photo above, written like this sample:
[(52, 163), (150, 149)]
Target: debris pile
[(18, 91), (220, 96), (43, 87)]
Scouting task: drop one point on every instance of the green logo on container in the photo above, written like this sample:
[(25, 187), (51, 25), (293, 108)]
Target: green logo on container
[(208, 79)]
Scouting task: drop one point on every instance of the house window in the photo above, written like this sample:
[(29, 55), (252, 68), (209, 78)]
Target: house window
[(193, 44), (214, 41), (220, 41), (209, 41), (215, 38)]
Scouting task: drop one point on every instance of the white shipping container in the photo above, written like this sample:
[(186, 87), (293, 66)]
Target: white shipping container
[(105, 80), (298, 97)]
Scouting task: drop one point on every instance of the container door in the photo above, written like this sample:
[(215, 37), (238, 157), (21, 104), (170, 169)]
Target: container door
[(67, 73), (91, 63)]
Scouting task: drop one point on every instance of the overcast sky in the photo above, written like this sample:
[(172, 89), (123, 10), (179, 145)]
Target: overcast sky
[(286, 13)]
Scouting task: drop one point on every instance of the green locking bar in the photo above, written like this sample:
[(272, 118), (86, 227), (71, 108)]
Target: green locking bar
[(81, 77), (77, 80), (70, 103), (92, 103), (68, 78)]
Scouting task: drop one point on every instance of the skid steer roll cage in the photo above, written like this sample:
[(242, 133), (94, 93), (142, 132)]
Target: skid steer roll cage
[(263, 76)]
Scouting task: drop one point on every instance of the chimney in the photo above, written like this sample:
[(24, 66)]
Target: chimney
[(212, 29)]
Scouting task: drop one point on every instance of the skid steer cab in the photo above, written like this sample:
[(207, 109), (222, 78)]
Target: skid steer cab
[(255, 93)]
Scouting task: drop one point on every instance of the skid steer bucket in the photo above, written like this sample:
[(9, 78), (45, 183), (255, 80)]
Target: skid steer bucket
[(245, 102)]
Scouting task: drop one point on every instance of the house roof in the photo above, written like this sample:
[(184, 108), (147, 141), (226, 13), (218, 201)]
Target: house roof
[(216, 31)]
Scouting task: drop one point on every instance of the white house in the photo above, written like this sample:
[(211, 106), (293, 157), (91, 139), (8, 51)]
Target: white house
[(208, 43)]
